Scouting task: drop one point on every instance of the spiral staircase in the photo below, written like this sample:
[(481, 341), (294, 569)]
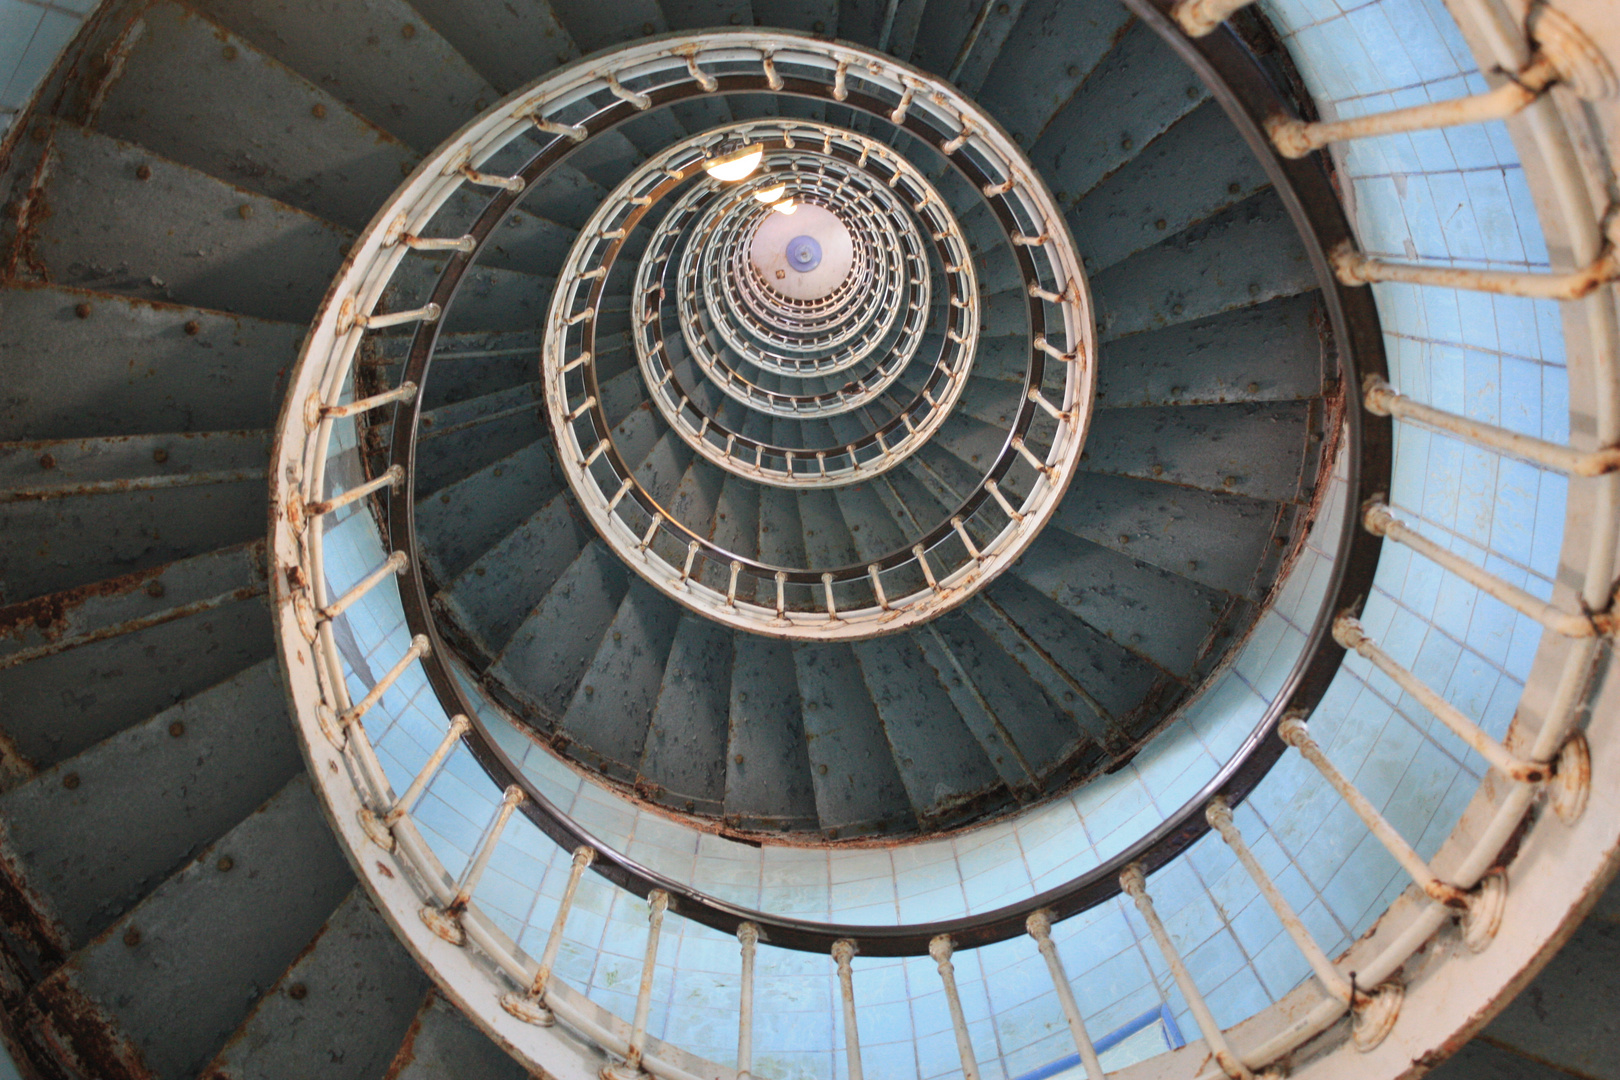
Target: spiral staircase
[(654, 547)]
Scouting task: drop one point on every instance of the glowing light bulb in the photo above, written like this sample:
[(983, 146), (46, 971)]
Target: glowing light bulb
[(737, 165), (786, 206), (771, 194)]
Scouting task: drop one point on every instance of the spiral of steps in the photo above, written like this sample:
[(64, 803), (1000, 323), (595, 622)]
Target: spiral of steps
[(196, 175)]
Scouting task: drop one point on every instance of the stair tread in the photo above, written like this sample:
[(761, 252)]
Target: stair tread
[(442, 1044), (1270, 352), (684, 753), (1219, 540), (1126, 599), (553, 647), (1245, 255), (1257, 449), (152, 794), (489, 601), (340, 1012), (299, 144), (858, 787), (112, 231), (945, 771), (1191, 172), (1124, 102), (768, 781), (508, 45), (133, 367), (607, 720), (1055, 47), (380, 59), (286, 875)]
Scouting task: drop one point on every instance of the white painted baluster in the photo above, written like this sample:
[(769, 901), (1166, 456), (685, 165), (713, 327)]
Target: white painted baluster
[(1375, 1012), (630, 1068), (405, 391), (1039, 925), (446, 921), (1382, 399), (391, 565), (1381, 522), (1481, 909), (748, 935), (336, 728), (381, 829), (1200, 17), (941, 949), (1349, 633), (843, 951), (1133, 882), (531, 1006), (390, 479)]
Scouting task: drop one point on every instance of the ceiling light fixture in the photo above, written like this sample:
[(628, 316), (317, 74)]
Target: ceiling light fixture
[(739, 164), (771, 194), (786, 206)]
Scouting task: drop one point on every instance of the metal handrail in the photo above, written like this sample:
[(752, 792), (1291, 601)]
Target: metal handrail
[(1242, 90), (1247, 94)]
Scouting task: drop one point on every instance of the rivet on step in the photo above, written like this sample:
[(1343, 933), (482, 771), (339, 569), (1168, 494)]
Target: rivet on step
[(1192, 564), (1192, 93), (132, 937), (1158, 470), (1254, 288), (738, 759), (244, 211), (82, 310), (1230, 481), (192, 328), (298, 991), (1073, 71), (1280, 541), (71, 781), (47, 461), (590, 691), (1002, 9), (617, 636), (832, 834), (407, 31), (318, 111), (1253, 388), (818, 27), (177, 729), (1160, 224), (226, 863), (822, 769), (647, 28), (143, 172), (1177, 309), (1233, 188), (1124, 539), (690, 805), (478, 571), (228, 52), (1126, 143), (160, 455), (41, 133), (445, 499)]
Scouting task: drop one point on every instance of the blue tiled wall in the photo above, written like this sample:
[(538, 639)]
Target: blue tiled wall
[(1455, 197), (32, 35)]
